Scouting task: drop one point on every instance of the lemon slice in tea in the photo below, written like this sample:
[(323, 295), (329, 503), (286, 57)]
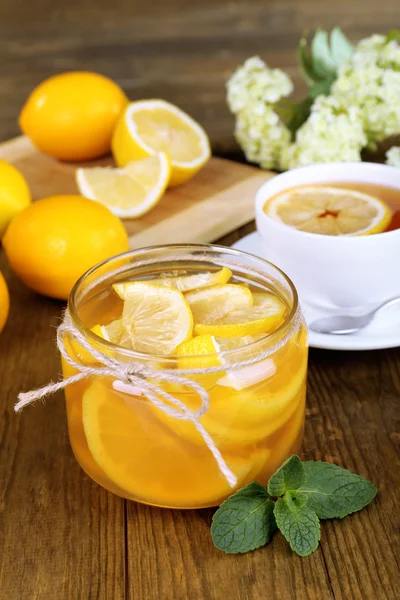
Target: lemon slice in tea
[(329, 210)]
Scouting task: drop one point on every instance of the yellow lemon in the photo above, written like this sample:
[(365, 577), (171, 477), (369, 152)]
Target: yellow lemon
[(55, 240), (151, 126), (329, 210), (14, 194), (72, 116), (4, 302)]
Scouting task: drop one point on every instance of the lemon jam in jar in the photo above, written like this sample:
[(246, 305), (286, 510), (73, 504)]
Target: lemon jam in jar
[(224, 320)]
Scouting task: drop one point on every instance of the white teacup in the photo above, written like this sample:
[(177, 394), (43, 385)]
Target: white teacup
[(333, 271)]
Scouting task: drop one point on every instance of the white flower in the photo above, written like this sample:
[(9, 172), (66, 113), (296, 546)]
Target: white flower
[(331, 133), (256, 83), (393, 157), (251, 93), (262, 136), (371, 80)]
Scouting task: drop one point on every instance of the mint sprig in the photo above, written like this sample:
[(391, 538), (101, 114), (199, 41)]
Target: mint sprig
[(298, 495)]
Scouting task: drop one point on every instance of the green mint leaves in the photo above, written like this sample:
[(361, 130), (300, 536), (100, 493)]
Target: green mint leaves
[(245, 521), (298, 523), (334, 492), (298, 495), (290, 476)]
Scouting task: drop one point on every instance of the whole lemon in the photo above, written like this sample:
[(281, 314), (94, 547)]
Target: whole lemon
[(72, 116), (14, 194), (55, 240), (4, 302)]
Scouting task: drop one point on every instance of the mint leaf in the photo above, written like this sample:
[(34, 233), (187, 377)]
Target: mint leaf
[(298, 522), (334, 492), (245, 521), (289, 476), (323, 63), (341, 49)]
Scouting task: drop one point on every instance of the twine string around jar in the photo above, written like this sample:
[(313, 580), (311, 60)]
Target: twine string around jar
[(149, 380)]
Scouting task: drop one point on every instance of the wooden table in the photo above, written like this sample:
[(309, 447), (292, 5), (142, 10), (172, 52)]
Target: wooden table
[(62, 536)]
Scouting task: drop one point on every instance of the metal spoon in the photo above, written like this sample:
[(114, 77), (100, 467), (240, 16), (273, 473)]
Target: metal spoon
[(346, 324)]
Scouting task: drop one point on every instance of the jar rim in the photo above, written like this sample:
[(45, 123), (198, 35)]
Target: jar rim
[(203, 248)]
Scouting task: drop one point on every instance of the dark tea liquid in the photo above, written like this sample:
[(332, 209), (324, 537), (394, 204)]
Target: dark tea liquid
[(389, 195)]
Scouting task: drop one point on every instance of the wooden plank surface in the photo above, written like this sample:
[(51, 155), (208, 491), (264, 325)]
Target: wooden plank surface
[(61, 536), (216, 201)]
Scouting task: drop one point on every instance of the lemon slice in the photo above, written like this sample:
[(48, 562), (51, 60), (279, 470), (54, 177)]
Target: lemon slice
[(151, 126), (156, 318), (329, 211), (148, 461), (130, 192), (184, 283), (214, 303), (264, 316)]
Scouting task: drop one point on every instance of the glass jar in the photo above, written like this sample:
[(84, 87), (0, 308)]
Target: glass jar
[(255, 415)]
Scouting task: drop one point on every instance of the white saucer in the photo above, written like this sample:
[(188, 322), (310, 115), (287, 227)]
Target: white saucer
[(383, 332)]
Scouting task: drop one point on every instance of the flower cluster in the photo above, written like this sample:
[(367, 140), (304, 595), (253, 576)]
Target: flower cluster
[(331, 133), (361, 109), (252, 92), (371, 81), (393, 157)]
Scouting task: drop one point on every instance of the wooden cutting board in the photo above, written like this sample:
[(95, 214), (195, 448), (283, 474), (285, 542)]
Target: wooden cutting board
[(216, 201)]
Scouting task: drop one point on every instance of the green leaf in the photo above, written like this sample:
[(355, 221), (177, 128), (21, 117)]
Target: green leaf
[(321, 88), (305, 62), (289, 476), (323, 63), (334, 492), (300, 114), (298, 522), (393, 35), (341, 49), (245, 521)]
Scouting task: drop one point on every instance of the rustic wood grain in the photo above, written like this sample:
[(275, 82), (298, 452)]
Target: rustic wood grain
[(217, 200), (61, 536)]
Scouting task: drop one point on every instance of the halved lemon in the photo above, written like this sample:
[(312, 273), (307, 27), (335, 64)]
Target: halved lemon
[(156, 318), (129, 192), (148, 461), (213, 303), (264, 316), (151, 126), (329, 210), (183, 283)]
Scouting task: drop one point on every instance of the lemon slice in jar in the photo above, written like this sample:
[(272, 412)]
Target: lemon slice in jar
[(183, 283), (148, 461), (130, 192), (156, 318), (264, 316), (329, 211), (210, 304)]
